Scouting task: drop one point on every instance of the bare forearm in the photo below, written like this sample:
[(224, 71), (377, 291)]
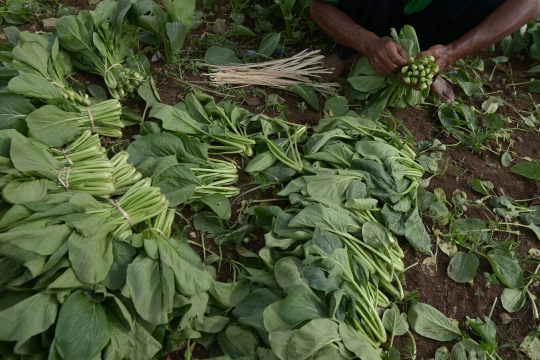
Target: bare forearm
[(506, 19), (384, 56), (339, 26)]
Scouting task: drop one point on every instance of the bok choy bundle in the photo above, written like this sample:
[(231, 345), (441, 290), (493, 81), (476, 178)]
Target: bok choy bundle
[(184, 172), (102, 42), (82, 166), (55, 127), (222, 129), (42, 58)]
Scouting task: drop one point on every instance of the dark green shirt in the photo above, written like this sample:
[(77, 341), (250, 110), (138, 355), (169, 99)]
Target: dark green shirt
[(407, 6)]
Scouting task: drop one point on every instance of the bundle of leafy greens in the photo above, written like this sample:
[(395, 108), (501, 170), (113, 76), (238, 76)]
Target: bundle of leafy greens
[(222, 129), (388, 90), (169, 287), (184, 172), (102, 42), (55, 127), (283, 150), (70, 261), (41, 57), (33, 172)]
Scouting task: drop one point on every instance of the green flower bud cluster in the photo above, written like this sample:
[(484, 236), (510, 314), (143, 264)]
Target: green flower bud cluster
[(123, 81), (420, 72)]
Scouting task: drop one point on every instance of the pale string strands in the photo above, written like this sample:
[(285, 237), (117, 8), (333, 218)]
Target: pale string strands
[(302, 68)]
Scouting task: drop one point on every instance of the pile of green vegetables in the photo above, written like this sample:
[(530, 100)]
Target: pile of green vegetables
[(89, 267), (384, 91), (331, 259), (38, 100)]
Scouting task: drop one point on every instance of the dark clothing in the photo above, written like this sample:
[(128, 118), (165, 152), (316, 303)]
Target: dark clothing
[(442, 22)]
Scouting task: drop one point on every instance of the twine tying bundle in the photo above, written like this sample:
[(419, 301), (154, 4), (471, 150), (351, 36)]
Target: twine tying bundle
[(63, 152), (116, 204), (110, 68), (56, 83), (66, 183), (91, 119)]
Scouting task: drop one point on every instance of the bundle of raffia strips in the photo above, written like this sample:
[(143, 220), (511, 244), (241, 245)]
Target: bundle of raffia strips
[(303, 68)]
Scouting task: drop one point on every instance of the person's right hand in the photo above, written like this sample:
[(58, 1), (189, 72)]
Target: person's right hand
[(385, 57)]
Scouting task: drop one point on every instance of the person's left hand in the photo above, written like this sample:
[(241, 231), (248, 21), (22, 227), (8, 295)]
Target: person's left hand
[(443, 55)]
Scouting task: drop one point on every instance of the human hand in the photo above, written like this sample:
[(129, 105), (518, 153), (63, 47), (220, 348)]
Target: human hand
[(385, 57), (443, 55)]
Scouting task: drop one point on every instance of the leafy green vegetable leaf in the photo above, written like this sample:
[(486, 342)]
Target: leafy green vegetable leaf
[(12, 108), (431, 323), (302, 304), (462, 267), (394, 322), (29, 317), (82, 329), (530, 170)]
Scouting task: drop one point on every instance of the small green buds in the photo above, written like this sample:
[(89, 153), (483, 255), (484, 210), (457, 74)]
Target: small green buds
[(420, 72)]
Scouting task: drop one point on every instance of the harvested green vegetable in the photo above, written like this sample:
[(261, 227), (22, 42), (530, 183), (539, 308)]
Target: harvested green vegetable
[(18, 11), (220, 128), (182, 169), (102, 42), (42, 57), (55, 127), (166, 28), (385, 91)]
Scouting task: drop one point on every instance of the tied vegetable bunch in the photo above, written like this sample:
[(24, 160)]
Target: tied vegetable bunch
[(102, 42), (34, 170), (56, 127), (43, 69), (420, 71), (142, 201), (183, 170), (220, 127), (121, 80)]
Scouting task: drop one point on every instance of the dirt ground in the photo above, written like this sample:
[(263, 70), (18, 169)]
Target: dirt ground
[(436, 288)]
